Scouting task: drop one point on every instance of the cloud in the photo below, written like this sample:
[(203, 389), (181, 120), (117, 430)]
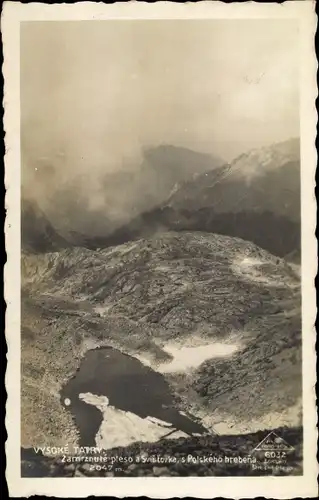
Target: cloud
[(94, 93)]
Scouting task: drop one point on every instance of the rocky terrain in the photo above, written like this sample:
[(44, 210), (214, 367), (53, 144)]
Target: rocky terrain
[(38, 465), (256, 197), (184, 288), (198, 279)]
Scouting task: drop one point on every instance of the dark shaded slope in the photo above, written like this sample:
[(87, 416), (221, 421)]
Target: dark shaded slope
[(37, 233), (177, 163), (278, 235), (264, 209), (229, 189)]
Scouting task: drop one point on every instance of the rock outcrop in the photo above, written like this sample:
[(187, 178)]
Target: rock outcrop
[(179, 288)]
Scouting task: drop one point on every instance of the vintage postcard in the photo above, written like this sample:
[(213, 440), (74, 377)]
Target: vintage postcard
[(160, 170)]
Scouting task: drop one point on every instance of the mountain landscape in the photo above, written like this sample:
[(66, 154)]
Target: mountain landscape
[(190, 290), (86, 214), (162, 281), (256, 197), (197, 298)]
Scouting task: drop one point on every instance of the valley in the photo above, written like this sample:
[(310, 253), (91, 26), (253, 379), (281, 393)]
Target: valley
[(175, 289), (182, 324)]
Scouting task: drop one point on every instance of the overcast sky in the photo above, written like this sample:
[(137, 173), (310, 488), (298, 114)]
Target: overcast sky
[(94, 93)]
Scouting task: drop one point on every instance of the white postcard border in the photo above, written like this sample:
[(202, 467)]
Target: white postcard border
[(206, 487)]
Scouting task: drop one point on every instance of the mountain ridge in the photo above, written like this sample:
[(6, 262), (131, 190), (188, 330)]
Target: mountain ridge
[(140, 297), (263, 208)]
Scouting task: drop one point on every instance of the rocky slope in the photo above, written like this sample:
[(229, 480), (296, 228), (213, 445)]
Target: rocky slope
[(38, 465), (256, 197), (261, 174), (189, 288), (37, 233)]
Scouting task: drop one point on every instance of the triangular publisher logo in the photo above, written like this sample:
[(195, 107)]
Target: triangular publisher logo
[(272, 442)]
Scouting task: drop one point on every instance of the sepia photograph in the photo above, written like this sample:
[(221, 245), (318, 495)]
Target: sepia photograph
[(161, 248)]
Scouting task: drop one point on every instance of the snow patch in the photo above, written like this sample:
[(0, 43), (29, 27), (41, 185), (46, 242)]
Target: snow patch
[(102, 310), (248, 268), (249, 262), (185, 358), (157, 421), (122, 428)]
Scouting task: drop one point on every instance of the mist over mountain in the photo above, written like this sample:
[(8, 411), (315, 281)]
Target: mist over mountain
[(256, 198), (89, 152), (80, 209)]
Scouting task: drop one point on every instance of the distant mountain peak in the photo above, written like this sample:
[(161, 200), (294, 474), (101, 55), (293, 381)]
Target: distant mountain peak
[(260, 160)]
